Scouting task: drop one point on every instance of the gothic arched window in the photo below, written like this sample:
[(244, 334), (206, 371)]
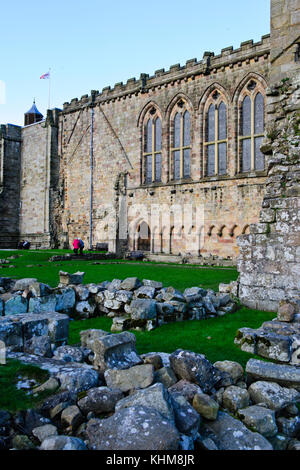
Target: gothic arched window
[(251, 129), (152, 148), (215, 141), (181, 144)]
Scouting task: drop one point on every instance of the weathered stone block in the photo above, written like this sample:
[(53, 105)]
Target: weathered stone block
[(285, 375), (15, 305), (152, 431), (272, 395), (140, 376), (259, 419), (11, 333), (115, 351), (206, 406), (67, 278), (195, 368)]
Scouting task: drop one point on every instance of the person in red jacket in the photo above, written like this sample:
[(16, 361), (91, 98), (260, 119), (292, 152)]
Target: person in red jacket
[(76, 245)]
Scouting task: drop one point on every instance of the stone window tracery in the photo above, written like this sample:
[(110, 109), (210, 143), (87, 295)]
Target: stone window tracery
[(152, 147), (215, 139), (181, 142), (251, 128)]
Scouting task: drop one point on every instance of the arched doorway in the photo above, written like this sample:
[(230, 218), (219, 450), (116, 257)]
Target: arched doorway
[(144, 237)]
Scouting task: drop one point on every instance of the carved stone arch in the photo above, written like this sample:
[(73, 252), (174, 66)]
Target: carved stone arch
[(147, 108), (221, 230), (249, 88), (144, 236), (214, 96), (246, 229), (150, 111), (210, 230), (180, 105), (232, 230), (176, 99), (242, 84), (214, 86), (191, 229)]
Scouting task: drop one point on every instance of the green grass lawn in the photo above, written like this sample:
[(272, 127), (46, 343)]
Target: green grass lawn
[(35, 264), (214, 337), (12, 398)]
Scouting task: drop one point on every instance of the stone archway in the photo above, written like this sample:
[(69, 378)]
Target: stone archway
[(144, 237)]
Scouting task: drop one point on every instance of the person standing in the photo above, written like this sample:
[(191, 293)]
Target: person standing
[(81, 246), (76, 245)]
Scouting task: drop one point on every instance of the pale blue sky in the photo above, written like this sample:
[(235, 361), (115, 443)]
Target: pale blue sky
[(92, 44)]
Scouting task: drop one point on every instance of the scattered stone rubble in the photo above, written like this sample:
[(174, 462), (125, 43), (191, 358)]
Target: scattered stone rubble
[(278, 340), (103, 395), (107, 397), (131, 303)]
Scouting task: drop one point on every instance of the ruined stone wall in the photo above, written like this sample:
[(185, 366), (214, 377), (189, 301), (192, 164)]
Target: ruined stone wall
[(231, 201), (10, 160), (269, 256)]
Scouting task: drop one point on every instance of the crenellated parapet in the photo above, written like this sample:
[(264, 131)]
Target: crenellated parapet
[(228, 59)]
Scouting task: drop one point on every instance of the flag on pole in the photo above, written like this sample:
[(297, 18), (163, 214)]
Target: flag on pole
[(45, 75)]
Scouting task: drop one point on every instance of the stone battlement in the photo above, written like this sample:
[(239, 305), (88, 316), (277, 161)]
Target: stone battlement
[(211, 63)]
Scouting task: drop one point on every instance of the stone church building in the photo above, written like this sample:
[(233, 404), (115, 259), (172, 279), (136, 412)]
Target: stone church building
[(169, 163)]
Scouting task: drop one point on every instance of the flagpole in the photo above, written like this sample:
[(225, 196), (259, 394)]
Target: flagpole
[(49, 89)]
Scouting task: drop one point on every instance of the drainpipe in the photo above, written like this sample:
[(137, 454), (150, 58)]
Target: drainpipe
[(91, 175)]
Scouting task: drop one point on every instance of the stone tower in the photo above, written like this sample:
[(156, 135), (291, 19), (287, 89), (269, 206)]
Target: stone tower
[(269, 259)]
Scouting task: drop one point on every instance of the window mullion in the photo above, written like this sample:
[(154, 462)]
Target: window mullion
[(216, 142), (153, 150), (181, 147), (252, 135)]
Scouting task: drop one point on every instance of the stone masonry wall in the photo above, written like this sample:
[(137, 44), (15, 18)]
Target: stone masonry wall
[(231, 202), (10, 160), (38, 175)]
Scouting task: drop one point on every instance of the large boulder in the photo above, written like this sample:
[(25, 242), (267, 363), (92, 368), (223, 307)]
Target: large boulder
[(229, 433), (195, 368), (133, 428)]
